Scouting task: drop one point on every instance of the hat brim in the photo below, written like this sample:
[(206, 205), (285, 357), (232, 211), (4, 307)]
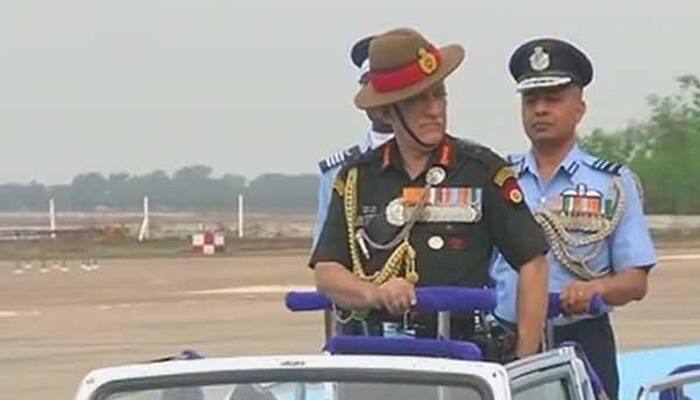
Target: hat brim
[(368, 97)]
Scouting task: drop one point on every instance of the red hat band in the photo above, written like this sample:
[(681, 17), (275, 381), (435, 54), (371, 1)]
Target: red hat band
[(428, 61)]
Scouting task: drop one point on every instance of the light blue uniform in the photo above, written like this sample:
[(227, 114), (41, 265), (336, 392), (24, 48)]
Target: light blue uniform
[(329, 169), (628, 246)]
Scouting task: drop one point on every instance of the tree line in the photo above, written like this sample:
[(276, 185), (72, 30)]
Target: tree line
[(664, 151), (189, 188)]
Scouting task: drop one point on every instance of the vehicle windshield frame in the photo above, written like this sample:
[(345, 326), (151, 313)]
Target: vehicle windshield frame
[(282, 375)]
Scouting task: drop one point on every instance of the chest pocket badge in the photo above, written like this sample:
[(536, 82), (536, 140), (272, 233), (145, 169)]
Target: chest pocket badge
[(443, 204)]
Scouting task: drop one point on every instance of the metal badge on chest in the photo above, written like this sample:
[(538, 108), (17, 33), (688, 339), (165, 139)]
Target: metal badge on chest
[(435, 176)]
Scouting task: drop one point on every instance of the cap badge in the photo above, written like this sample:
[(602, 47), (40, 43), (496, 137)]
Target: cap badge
[(427, 62), (539, 60)]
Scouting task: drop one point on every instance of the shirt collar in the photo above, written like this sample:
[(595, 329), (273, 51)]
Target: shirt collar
[(444, 155), (570, 164)]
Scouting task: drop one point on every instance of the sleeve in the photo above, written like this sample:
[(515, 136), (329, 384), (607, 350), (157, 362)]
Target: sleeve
[(325, 186), (511, 224), (631, 245), (332, 244)]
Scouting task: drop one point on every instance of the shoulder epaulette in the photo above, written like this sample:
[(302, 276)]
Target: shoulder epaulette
[(514, 158), (482, 154), (610, 167), (517, 162), (463, 143), (340, 158)]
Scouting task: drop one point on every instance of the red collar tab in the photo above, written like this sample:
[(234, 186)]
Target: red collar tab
[(446, 153)]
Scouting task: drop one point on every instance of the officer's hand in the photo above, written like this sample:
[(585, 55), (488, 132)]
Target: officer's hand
[(576, 296), (397, 296)]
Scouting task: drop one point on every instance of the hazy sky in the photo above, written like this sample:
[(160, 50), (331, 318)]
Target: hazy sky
[(259, 86)]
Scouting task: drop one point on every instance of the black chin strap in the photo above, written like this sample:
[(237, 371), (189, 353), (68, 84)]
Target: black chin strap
[(407, 129)]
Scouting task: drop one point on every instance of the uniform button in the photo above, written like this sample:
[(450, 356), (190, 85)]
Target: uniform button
[(543, 200), (436, 242)]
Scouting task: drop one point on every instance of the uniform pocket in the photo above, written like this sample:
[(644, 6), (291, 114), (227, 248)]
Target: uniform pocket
[(443, 236), (451, 253)]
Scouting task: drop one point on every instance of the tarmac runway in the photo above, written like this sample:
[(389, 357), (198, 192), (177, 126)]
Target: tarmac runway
[(56, 326)]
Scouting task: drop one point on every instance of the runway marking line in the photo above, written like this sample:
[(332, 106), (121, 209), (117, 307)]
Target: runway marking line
[(680, 257), (13, 313)]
